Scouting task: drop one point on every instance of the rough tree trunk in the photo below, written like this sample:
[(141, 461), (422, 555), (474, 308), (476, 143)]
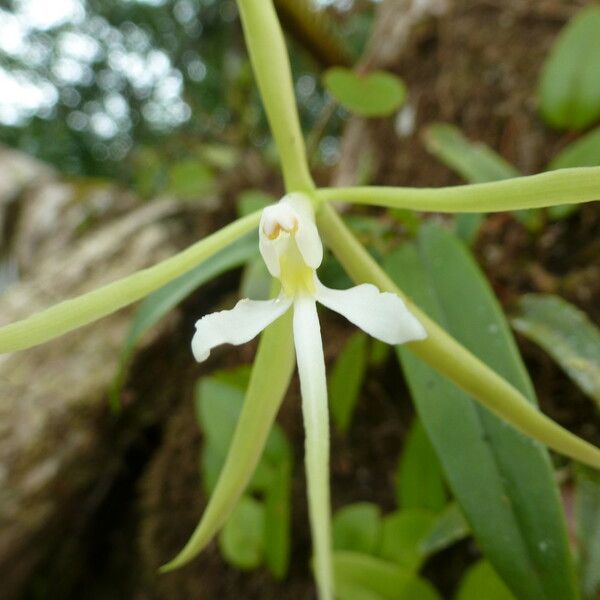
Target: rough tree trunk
[(55, 449)]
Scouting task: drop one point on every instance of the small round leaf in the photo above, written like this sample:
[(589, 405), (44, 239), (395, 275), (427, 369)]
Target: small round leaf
[(242, 540), (377, 94)]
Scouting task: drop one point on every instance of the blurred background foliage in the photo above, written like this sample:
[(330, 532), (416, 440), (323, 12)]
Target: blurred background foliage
[(145, 91)]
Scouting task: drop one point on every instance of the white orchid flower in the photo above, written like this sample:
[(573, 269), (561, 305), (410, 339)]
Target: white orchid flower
[(292, 250)]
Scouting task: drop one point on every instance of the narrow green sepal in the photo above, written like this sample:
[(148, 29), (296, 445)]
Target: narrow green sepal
[(82, 310), (442, 352), (271, 373)]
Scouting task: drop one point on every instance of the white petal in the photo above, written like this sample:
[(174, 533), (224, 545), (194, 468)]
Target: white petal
[(300, 204), (307, 234), (381, 314), (311, 368), (277, 222), (268, 251), (309, 243), (236, 326)]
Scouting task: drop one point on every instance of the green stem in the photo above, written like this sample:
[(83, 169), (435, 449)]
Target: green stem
[(450, 358), (84, 309), (564, 186), (271, 65)]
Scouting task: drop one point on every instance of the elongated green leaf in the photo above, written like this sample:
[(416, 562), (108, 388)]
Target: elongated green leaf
[(448, 527), (587, 512), (158, 304), (474, 161), (450, 358), (377, 94), (242, 539), (565, 333), (502, 479), (481, 581), (584, 152), (569, 86), (218, 407), (402, 534), (357, 528), (419, 480), (84, 309), (346, 378), (362, 577), (270, 377)]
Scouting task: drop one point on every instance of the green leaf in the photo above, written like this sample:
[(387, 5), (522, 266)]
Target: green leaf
[(270, 378), (419, 480), (587, 513), (402, 535), (220, 156), (218, 405), (448, 527), (447, 356), (159, 303), (566, 334), (357, 528), (583, 152), (377, 94), (190, 179), (502, 479), (250, 201), (481, 581), (211, 464), (238, 377), (409, 218), (241, 541), (467, 225), (474, 161), (361, 577), (219, 401), (569, 89), (346, 378)]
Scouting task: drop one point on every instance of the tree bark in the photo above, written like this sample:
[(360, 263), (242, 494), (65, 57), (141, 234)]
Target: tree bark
[(55, 425)]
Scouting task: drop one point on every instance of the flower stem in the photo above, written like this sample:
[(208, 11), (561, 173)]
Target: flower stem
[(271, 65), (77, 312), (563, 186), (451, 359)]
